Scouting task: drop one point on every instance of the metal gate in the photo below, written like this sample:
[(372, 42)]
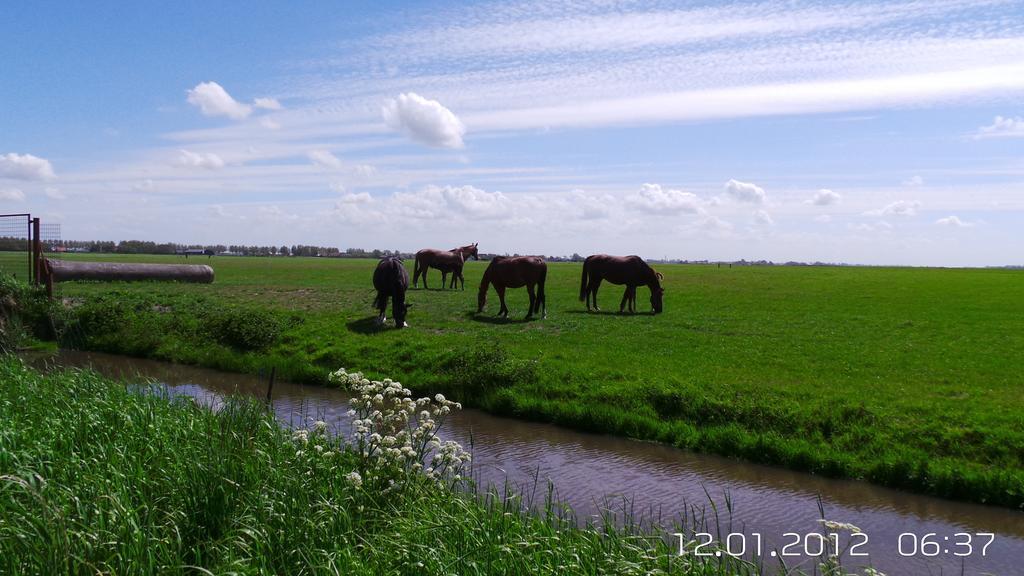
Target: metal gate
[(17, 257)]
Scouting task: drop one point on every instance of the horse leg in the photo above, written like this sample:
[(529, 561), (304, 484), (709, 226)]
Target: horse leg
[(533, 300), (501, 297), (381, 318), (625, 300), (632, 299), (597, 285)]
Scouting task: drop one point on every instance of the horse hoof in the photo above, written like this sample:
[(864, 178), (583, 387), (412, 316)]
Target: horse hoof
[(404, 325)]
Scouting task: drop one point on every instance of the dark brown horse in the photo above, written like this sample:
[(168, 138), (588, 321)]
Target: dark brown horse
[(515, 272), (447, 261), (391, 281), (629, 270)]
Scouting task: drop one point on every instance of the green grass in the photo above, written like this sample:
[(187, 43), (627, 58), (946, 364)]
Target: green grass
[(15, 264), (96, 478), (905, 377)]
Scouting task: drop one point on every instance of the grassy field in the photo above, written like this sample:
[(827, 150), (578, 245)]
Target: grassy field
[(99, 479), (906, 377)]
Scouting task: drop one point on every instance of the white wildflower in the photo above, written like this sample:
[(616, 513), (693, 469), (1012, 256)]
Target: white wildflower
[(833, 525)]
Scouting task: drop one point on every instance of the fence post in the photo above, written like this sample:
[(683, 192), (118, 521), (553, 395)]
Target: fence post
[(37, 253)]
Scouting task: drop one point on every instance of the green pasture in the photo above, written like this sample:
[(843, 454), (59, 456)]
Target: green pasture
[(15, 263), (907, 377)]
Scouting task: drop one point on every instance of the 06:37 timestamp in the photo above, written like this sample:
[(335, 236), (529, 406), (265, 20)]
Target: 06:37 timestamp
[(853, 544), (931, 544)]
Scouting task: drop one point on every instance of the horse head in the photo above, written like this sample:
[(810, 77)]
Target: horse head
[(657, 292)]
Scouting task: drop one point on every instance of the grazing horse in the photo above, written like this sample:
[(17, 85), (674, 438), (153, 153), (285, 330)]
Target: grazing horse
[(629, 270), (391, 281), (515, 272), (444, 260)]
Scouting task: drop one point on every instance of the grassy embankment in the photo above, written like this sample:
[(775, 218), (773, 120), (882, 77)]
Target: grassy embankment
[(905, 377), (96, 478)]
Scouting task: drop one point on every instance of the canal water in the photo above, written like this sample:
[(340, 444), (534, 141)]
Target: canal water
[(759, 505)]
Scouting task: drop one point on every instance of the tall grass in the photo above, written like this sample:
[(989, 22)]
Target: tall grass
[(97, 477)]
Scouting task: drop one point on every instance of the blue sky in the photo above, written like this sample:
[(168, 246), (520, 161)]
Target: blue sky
[(865, 132)]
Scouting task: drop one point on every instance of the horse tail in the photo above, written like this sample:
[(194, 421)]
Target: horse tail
[(416, 271), (485, 283), (583, 280)]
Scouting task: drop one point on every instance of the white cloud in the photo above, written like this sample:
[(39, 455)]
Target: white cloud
[(12, 194), (914, 182), (823, 218), (363, 171), (207, 160), (897, 208), (146, 185), (825, 197), (54, 193), (275, 214), (880, 226), (356, 198), (654, 199), (591, 207), (715, 225), (25, 167), (270, 124), (953, 222), (213, 100), (425, 121), (745, 191), (324, 158), (474, 201), (1002, 128), (762, 217), (267, 103)]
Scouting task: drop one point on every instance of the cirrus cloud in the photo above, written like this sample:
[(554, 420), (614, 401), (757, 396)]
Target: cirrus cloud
[(425, 121)]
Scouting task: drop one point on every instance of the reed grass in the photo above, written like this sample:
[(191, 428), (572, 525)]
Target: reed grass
[(97, 477)]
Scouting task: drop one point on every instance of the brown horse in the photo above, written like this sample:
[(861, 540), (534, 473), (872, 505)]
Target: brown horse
[(515, 272), (629, 270), (444, 260)]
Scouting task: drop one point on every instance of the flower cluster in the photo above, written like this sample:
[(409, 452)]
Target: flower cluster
[(397, 436)]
